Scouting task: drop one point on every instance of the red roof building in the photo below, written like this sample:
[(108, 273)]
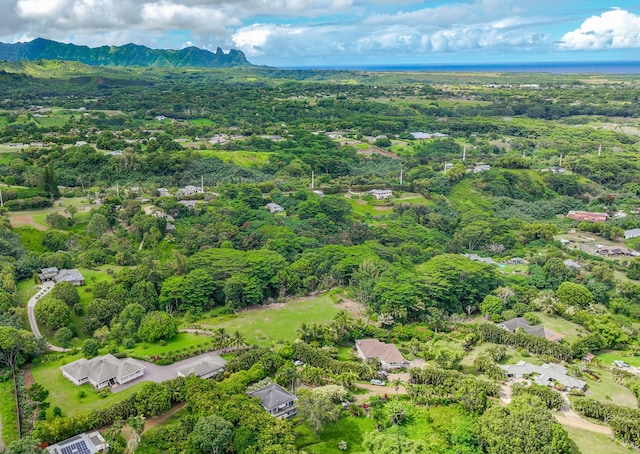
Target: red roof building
[(587, 216)]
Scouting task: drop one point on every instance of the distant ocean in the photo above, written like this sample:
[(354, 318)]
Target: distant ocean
[(616, 67)]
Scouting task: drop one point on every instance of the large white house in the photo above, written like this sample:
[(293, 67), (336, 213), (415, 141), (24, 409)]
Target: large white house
[(388, 354), (102, 371), (381, 194)]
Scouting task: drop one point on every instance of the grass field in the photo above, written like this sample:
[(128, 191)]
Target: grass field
[(31, 238), (241, 158), (606, 390), (178, 342), (8, 413), (586, 442), (609, 356), (560, 325), (66, 395), (413, 198), (266, 325), (431, 425), (364, 208), (38, 218)]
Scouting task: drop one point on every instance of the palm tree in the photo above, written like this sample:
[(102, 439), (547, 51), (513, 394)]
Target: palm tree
[(237, 339), (396, 383), (221, 337), (303, 331)]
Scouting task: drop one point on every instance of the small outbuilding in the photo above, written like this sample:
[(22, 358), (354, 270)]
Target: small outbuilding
[(206, 367)]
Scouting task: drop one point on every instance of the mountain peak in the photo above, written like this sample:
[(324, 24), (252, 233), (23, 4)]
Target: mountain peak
[(126, 55)]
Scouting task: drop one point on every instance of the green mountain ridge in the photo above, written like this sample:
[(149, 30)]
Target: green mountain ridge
[(127, 55)]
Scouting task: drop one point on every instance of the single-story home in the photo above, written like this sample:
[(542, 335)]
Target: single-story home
[(545, 375), (73, 276), (207, 367), (633, 233), (188, 203), (163, 192), (481, 168), (274, 208), (189, 190), (47, 274), (572, 264), (54, 274), (521, 323), (277, 401), (388, 354), (587, 216), (318, 192), (381, 194), (102, 371), (80, 444)]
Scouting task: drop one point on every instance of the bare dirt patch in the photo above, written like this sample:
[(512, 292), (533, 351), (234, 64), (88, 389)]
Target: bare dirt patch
[(28, 378), (20, 220)]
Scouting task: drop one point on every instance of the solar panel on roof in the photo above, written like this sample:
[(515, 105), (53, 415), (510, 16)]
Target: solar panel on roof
[(79, 447)]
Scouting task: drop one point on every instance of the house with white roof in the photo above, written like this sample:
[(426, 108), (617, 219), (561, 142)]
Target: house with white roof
[(380, 194), (274, 208), (84, 443), (102, 371)]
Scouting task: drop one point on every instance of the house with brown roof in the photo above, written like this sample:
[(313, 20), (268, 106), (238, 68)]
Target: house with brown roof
[(388, 354), (587, 216), (614, 251)]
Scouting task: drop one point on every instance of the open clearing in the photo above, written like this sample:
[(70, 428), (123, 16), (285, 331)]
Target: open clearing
[(277, 322)]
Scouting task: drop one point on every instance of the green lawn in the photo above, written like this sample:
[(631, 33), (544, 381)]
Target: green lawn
[(31, 238), (609, 356), (8, 413), (431, 425), (606, 390), (263, 326), (64, 394), (560, 325), (586, 442), (414, 198), (364, 208), (178, 342), (241, 158)]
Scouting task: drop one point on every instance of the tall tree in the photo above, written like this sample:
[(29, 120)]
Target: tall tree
[(211, 435)]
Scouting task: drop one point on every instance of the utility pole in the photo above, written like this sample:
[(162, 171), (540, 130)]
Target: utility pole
[(313, 180), (560, 165), (202, 183), (401, 169), (1, 201), (117, 190), (599, 150), (464, 154)]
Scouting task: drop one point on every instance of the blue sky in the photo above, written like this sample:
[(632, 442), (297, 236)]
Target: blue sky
[(344, 32)]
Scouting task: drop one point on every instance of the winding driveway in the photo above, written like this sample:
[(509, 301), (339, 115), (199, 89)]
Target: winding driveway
[(45, 288)]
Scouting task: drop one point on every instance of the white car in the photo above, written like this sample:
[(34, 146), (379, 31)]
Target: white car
[(375, 381), (297, 362)]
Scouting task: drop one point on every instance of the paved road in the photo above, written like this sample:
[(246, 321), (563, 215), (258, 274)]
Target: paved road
[(156, 373), (31, 305)]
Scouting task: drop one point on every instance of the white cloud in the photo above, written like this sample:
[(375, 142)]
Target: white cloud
[(612, 29)]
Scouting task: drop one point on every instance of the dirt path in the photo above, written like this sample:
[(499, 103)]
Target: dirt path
[(583, 424), (152, 422)]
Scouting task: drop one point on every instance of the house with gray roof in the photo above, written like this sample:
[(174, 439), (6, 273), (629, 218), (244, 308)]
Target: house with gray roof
[(546, 375), (207, 367), (277, 401), (47, 274), (102, 371), (84, 443), (274, 208), (521, 323), (73, 276), (633, 233)]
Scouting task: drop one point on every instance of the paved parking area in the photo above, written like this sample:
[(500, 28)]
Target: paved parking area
[(156, 373)]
